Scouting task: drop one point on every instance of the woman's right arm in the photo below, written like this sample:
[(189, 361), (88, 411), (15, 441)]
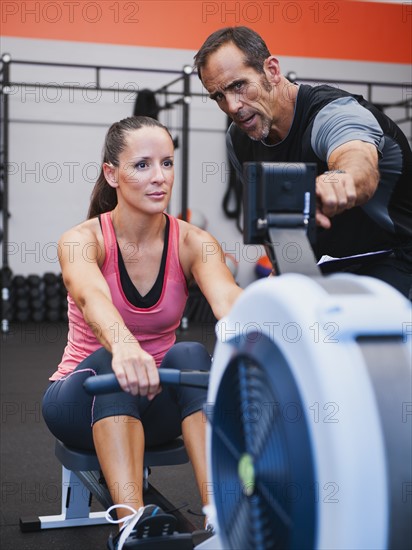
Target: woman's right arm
[(80, 253)]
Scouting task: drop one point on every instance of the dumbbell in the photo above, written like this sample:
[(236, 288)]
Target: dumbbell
[(53, 299), (6, 276)]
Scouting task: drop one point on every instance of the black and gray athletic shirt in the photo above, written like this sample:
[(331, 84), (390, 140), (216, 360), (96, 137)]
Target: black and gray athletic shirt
[(326, 117)]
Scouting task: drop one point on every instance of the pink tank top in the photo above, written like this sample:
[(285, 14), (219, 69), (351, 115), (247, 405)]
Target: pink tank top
[(153, 327)]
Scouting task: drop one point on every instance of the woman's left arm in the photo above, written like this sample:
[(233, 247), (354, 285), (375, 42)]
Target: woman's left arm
[(202, 256)]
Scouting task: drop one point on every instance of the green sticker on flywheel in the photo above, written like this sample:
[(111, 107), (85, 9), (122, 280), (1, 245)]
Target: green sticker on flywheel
[(246, 473)]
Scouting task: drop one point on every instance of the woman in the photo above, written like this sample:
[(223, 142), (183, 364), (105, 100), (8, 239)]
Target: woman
[(126, 270)]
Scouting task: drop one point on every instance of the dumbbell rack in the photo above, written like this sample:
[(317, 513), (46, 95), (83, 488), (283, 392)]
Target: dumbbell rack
[(33, 298)]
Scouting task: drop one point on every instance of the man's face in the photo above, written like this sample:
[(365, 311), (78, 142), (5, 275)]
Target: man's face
[(244, 94)]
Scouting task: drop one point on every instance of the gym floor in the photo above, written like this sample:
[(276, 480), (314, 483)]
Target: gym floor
[(30, 473)]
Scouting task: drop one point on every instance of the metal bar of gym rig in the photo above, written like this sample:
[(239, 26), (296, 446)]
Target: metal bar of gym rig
[(185, 143), (5, 138), (100, 67), (86, 88), (5, 291)]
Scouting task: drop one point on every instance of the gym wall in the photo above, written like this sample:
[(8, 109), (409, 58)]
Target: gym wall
[(56, 136)]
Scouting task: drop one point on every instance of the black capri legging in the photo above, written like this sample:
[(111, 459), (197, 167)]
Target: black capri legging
[(70, 412)]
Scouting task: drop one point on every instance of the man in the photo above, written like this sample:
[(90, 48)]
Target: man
[(364, 182)]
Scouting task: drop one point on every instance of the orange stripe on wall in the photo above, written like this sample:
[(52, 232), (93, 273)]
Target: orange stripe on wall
[(364, 31)]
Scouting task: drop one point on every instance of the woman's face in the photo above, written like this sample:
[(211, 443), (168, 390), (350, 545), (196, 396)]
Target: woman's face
[(146, 171)]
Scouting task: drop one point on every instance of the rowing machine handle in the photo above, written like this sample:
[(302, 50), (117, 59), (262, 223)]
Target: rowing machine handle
[(107, 383)]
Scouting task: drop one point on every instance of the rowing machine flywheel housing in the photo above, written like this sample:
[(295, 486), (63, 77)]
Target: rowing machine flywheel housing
[(309, 409)]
